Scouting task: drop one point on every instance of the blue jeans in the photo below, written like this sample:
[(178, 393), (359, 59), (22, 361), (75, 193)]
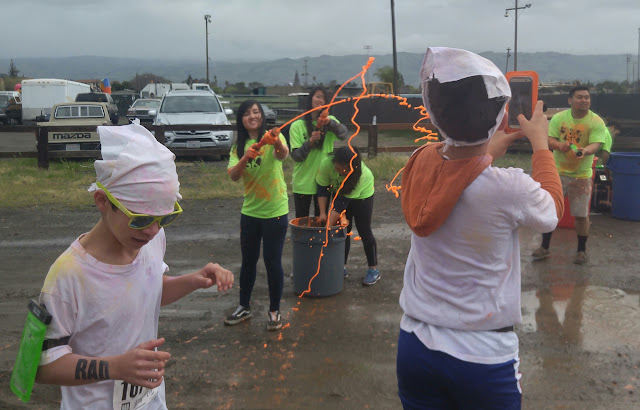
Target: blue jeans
[(272, 233), (430, 379)]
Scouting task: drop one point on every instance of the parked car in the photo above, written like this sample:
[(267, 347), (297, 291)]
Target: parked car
[(144, 109), (194, 107), (63, 115), (10, 107), (270, 116), (102, 98)]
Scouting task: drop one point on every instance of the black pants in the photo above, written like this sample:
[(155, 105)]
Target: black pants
[(272, 233), (361, 210), (303, 203)]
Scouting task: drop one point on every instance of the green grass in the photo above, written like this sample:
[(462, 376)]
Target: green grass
[(23, 184)]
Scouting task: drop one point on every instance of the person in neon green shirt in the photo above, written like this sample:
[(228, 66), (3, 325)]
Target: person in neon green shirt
[(612, 130), (311, 142), (264, 209), (575, 135), (353, 183)]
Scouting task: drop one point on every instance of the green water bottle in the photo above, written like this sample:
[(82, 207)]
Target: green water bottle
[(26, 366), (575, 149)]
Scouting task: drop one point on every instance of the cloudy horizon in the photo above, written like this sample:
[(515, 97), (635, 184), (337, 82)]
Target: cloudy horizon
[(258, 30)]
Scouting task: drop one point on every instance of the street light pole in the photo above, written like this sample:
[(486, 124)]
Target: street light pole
[(395, 58), (506, 68), (515, 43), (207, 20)]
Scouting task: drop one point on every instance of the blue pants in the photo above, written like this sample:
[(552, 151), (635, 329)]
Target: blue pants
[(430, 379), (272, 233)]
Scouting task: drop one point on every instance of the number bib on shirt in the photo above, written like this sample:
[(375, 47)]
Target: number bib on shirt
[(129, 397)]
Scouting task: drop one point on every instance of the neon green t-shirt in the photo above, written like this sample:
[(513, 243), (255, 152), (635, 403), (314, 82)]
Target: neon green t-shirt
[(608, 141), (581, 132), (328, 176), (265, 192), (304, 173)]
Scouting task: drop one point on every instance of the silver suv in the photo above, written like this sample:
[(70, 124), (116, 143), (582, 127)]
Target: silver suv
[(194, 107)]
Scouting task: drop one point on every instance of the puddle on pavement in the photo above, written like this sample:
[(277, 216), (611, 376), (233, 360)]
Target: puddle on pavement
[(592, 318)]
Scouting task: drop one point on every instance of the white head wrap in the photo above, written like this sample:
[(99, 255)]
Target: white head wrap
[(138, 170), (452, 64)]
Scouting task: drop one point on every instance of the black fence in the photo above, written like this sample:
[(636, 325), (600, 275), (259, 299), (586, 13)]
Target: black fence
[(623, 108)]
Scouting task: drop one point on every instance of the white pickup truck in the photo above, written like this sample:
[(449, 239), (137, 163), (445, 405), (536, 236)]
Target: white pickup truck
[(61, 138)]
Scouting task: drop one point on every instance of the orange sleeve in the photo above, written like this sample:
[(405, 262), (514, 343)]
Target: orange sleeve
[(545, 172)]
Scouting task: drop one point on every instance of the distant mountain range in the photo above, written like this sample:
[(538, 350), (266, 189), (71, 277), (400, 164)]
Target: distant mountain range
[(551, 67)]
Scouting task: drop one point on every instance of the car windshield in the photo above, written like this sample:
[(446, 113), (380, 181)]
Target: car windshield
[(75, 111), (146, 103), (190, 103), (4, 99)]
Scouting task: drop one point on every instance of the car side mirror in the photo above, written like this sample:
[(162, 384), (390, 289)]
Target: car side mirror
[(228, 111)]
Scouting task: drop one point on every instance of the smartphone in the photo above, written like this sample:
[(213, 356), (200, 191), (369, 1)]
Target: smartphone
[(26, 365), (524, 95)]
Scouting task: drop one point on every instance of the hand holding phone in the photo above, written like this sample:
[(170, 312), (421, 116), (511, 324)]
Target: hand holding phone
[(524, 95)]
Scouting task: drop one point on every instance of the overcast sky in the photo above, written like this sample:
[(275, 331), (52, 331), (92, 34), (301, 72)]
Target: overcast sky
[(272, 29)]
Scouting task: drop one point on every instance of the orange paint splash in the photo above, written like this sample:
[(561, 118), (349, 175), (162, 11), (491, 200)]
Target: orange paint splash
[(272, 134), (394, 188), (356, 110)]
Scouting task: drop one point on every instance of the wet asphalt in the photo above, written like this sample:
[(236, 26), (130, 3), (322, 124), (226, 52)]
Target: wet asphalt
[(579, 339)]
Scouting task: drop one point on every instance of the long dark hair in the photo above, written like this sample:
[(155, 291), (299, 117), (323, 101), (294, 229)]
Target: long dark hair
[(308, 119), (342, 156), (243, 134)]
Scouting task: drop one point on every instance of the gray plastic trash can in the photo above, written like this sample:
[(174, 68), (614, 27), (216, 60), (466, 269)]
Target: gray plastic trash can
[(308, 238)]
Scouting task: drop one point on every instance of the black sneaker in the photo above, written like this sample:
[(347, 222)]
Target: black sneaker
[(241, 313), (275, 322)]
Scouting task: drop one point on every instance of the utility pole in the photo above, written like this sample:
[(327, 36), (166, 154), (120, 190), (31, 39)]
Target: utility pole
[(506, 68), (628, 61), (368, 48), (638, 73), (207, 20), (305, 74), (515, 42), (395, 56)]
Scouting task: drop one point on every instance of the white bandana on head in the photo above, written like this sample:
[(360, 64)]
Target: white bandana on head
[(138, 170), (452, 64)]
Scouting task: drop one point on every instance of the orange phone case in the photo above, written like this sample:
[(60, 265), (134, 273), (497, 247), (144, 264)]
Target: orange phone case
[(534, 91)]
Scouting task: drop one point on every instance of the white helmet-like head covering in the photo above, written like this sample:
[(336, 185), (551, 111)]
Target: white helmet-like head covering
[(138, 170), (452, 64)]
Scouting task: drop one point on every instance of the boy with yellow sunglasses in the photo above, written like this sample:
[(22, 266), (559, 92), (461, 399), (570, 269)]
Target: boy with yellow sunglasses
[(105, 291)]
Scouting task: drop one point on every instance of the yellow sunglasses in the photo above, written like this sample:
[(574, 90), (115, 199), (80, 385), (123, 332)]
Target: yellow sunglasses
[(141, 221)]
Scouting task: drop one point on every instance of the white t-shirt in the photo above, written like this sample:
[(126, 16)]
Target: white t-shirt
[(106, 310), (463, 280)]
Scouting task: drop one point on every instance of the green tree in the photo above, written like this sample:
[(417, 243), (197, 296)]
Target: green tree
[(13, 69), (385, 74)]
